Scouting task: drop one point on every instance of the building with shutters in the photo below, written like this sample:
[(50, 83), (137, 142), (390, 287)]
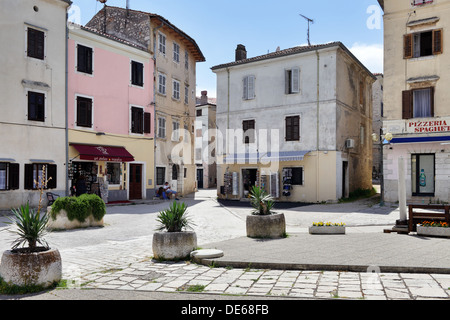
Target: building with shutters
[(175, 55), (110, 116), (32, 104), (416, 98), (296, 122)]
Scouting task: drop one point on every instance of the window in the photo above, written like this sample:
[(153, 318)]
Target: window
[(113, 171), (297, 177), (418, 103), (293, 128), (423, 44), (84, 59), (292, 81), (36, 106), (161, 127), (423, 174), (175, 131), (199, 112), (162, 84), (33, 176), (9, 176), (137, 120), (186, 59), (186, 94), (420, 2), (160, 176), (248, 126), (176, 52), (362, 135), (249, 88), (84, 112), (362, 91), (35, 44), (162, 43), (137, 74), (176, 89)]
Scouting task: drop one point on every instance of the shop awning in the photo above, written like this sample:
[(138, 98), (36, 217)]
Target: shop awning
[(420, 139), (103, 153), (283, 156)]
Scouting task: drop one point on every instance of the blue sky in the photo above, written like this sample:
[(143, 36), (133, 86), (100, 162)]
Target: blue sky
[(218, 26)]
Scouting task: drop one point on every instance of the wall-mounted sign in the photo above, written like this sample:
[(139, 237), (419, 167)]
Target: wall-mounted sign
[(428, 126)]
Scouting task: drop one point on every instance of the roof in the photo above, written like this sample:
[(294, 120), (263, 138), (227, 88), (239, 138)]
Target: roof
[(381, 2), (108, 36), (291, 51), (192, 45)]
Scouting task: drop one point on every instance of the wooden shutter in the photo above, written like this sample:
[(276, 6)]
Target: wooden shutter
[(295, 86), (51, 173), (35, 43), (289, 129), (408, 46), (245, 94), (84, 112), (251, 87), (137, 73), (147, 122), (13, 176), (296, 128), (28, 181), (432, 90), (407, 108), (437, 41)]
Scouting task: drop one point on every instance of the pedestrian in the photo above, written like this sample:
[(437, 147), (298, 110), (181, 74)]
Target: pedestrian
[(170, 192)]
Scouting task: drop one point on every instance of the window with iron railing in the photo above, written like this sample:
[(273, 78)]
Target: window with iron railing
[(420, 2)]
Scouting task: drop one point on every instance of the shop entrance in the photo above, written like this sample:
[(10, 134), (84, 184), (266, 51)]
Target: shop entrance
[(84, 178), (249, 178)]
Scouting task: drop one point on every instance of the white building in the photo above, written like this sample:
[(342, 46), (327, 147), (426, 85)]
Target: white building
[(297, 122), (33, 105)]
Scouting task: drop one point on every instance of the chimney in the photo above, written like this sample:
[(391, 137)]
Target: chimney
[(204, 98), (241, 53)]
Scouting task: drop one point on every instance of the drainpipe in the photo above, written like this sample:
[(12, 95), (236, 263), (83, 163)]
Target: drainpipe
[(317, 127), (67, 106)]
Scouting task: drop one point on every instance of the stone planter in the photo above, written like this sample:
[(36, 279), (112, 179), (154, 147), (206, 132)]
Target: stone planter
[(173, 246), (271, 227), (433, 232), (327, 230), (38, 268), (62, 222)]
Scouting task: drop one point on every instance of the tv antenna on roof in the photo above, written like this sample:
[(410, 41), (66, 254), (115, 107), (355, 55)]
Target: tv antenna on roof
[(310, 21)]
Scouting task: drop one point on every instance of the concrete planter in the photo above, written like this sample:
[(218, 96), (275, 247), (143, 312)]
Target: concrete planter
[(433, 231), (173, 246), (62, 222), (38, 268), (327, 230), (271, 227)]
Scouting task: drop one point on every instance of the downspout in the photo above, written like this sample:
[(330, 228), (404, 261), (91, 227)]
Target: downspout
[(317, 127), (67, 106)]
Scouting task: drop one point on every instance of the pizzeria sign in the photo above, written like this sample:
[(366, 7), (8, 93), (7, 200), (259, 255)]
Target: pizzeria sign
[(428, 126)]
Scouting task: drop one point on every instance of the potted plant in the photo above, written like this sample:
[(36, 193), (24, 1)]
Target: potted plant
[(171, 241), (31, 262), (434, 229), (263, 222), (327, 228)]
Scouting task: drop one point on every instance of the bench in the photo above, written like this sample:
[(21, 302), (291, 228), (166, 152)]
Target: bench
[(421, 213), (51, 197)]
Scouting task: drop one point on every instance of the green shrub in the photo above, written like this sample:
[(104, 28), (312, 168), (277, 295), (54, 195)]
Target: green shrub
[(79, 208), (174, 219), (261, 202)]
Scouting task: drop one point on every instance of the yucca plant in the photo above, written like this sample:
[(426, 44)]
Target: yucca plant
[(262, 203), (31, 228), (174, 219)]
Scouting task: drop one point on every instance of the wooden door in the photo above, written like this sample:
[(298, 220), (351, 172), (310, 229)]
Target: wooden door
[(135, 181)]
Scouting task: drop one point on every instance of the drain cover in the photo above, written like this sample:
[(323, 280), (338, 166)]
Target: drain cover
[(207, 254)]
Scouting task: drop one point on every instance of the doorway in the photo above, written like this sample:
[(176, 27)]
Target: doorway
[(200, 178), (135, 181), (249, 178), (345, 180)]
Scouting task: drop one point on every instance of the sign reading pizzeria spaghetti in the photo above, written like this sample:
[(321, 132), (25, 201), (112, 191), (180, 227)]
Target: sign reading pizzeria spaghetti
[(428, 126)]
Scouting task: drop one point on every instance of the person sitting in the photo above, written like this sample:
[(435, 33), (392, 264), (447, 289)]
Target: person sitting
[(161, 194), (169, 192)]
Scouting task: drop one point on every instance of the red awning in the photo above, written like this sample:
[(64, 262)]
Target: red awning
[(101, 153)]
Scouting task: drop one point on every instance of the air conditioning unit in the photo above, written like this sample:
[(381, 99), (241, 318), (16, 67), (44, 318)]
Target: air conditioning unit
[(350, 143)]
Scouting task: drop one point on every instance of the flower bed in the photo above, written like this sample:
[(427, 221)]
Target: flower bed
[(327, 228), (434, 229)]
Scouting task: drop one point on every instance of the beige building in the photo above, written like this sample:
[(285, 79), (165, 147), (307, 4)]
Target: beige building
[(33, 105), (175, 56), (296, 122), (416, 95)]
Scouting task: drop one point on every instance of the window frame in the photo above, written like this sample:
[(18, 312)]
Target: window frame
[(162, 44), (290, 129), (160, 175), (416, 178), (38, 118), (77, 50), (249, 87), (176, 89), (175, 130), (162, 87), (120, 173), (12, 176), (176, 52), (33, 169), (137, 125), (409, 44), (248, 125), (137, 73), (84, 126), (291, 77), (162, 129), (408, 103)]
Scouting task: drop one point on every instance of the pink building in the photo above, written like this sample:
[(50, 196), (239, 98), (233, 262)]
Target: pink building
[(110, 116)]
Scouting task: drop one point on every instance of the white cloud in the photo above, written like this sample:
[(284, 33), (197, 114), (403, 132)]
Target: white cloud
[(370, 55)]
